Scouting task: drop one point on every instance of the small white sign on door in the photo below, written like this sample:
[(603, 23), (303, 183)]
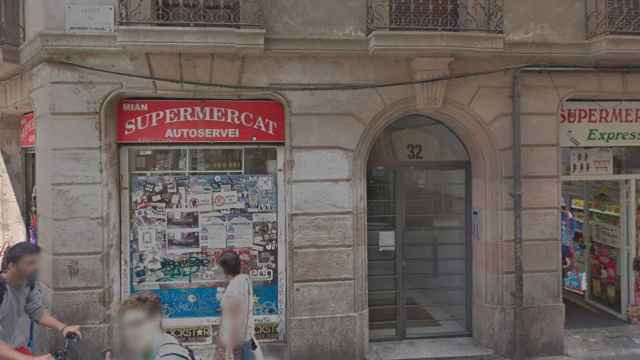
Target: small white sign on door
[(386, 241), (89, 18)]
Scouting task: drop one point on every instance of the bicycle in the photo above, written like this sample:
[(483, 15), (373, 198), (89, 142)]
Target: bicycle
[(69, 343)]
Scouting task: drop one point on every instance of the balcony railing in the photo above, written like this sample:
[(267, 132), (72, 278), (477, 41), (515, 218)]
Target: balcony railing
[(620, 17), (192, 13), (436, 15), (11, 34)]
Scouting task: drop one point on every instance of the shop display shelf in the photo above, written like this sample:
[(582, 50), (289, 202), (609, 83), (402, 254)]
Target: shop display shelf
[(610, 213)]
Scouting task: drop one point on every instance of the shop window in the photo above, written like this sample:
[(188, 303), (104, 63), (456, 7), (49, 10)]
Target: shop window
[(148, 160), (187, 206), (225, 160), (259, 161)]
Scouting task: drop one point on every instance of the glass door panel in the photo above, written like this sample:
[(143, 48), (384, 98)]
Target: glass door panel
[(435, 260), (382, 252), (575, 253), (607, 245)]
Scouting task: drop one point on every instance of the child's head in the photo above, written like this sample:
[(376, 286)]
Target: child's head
[(140, 319), (230, 264)]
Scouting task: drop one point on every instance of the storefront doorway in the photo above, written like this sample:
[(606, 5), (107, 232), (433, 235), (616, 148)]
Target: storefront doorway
[(419, 258), (597, 246), (599, 211), (200, 178)]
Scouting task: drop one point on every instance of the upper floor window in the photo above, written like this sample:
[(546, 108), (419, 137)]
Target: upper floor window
[(436, 15), (189, 12), (11, 30), (613, 17), (211, 13)]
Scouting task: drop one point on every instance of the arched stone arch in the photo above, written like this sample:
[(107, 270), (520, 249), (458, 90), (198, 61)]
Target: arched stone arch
[(487, 196)]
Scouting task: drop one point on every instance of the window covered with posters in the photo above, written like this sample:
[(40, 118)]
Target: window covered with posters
[(200, 178)]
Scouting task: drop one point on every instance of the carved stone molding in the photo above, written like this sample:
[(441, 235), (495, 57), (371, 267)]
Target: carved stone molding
[(430, 96)]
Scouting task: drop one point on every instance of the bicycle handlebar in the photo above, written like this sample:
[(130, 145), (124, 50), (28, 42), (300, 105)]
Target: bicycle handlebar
[(69, 342)]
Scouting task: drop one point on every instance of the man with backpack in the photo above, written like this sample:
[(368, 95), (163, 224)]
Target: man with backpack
[(21, 302)]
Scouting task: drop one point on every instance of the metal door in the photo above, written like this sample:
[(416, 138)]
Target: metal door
[(419, 250)]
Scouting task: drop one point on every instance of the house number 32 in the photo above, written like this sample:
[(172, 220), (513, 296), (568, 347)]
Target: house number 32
[(414, 152)]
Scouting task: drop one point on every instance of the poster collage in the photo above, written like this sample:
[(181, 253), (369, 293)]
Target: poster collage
[(182, 224)]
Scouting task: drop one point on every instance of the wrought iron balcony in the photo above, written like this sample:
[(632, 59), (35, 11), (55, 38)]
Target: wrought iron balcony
[(436, 15), (11, 34), (620, 17), (192, 13)]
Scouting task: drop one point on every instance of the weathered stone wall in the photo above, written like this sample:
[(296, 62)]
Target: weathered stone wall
[(308, 18), (69, 183), (531, 21), (327, 132), (327, 147)]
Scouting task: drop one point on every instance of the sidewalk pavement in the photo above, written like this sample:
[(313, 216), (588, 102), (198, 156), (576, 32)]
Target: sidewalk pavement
[(619, 342), (603, 343), (273, 351)]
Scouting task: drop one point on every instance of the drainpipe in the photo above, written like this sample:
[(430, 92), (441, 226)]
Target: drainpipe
[(518, 335)]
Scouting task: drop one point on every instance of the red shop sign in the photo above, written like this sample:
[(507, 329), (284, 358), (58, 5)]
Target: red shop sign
[(28, 131), (141, 121)]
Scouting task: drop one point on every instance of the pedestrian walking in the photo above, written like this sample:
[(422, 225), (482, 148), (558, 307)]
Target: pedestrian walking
[(236, 335)]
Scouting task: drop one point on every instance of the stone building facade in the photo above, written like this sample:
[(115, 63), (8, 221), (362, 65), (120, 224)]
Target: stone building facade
[(330, 135)]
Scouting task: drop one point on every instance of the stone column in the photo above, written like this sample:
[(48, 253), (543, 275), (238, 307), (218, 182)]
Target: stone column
[(70, 193), (323, 320), (543, 307)]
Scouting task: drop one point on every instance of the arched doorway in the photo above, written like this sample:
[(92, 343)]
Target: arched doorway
[(418, 231)]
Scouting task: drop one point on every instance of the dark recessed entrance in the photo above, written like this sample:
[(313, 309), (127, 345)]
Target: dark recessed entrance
[(419, 253)]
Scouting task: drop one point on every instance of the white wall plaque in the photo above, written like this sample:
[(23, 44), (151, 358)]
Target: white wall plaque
[(89, 18)]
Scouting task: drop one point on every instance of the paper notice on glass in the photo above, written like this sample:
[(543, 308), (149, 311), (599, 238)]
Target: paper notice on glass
[(146, 238), (213, 233), (239, 232), (605, 234), (200, 201), (225, 200), (386, 241), (266, 217), (214, 236), (591, 162)]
